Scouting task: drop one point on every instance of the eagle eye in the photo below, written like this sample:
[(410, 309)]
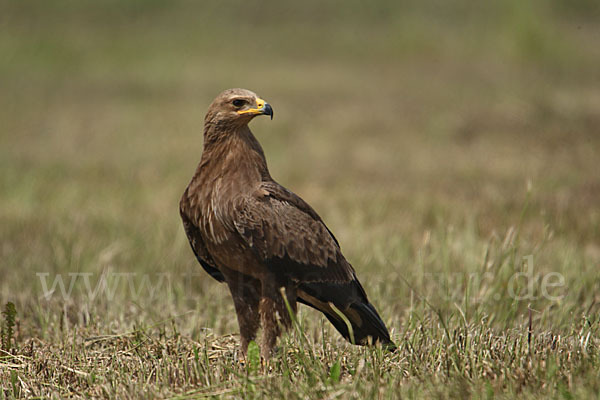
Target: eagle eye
[(238, 102)]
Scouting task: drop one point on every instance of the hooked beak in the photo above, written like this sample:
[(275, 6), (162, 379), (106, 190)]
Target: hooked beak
[(262, 108)]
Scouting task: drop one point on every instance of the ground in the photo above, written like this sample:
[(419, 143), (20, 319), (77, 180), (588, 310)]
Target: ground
[(452, 148)]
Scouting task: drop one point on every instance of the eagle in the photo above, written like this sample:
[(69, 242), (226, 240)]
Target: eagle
[(267, 244)]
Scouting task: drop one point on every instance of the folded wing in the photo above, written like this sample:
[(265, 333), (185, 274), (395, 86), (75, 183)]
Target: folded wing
[(290, 239)]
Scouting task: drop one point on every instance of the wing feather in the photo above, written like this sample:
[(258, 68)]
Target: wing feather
[(202, 255), (289, 237)]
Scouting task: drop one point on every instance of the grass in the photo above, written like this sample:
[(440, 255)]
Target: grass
[(451, 147)]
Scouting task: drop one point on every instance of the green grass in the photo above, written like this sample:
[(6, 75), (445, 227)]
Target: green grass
[(450, 146)]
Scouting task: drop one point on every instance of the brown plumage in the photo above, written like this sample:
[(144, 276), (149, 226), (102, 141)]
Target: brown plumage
[(252, 233)]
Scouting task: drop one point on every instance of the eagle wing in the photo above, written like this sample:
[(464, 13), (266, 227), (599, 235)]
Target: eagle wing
[(288, 236), (195, 238), (290, 239)]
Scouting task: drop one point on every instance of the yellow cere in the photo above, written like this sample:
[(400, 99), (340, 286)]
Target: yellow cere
[(260, 103)]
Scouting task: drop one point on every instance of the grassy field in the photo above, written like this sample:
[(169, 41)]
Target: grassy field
[(451, 146)]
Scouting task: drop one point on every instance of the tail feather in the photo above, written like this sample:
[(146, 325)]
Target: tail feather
[(351, 300)]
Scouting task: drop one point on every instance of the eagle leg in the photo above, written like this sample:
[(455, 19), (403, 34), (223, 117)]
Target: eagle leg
[(245, 292), (274, 314)]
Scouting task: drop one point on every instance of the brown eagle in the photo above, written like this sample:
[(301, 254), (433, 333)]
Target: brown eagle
[(258, 237)]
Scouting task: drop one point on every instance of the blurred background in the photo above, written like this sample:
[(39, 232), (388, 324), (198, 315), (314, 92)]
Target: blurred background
[(421, 131)]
